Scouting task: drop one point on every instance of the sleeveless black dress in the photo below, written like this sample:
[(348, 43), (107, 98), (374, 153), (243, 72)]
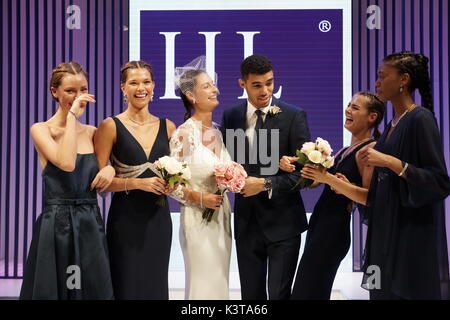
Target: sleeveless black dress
[(328, 237), (68, 257), (139, 232)]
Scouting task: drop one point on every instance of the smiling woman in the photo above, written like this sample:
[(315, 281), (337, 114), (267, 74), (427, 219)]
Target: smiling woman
[(69, 234), (206, 246), (328, 237), (139, 231)]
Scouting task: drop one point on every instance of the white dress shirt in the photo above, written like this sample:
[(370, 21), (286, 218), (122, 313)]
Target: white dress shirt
[(252, 118)]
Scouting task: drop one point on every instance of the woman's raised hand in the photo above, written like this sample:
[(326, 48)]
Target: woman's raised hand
[(80, 102)]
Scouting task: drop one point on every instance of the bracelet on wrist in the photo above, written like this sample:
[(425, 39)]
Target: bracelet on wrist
[(73, 114), (267, 184), (405, 166), (126, 190)]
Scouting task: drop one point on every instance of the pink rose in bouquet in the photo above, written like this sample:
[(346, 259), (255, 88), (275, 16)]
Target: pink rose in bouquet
[(229, 176)]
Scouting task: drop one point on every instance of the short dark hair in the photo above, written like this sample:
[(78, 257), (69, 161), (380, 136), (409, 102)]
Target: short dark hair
[(256, 64), (377, 106)]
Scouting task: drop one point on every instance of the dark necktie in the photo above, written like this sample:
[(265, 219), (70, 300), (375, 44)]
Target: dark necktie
[(259, 124), (259, 121)]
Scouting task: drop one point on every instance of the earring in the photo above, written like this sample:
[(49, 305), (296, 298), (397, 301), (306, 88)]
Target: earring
[(125, 99), (193, 101), (401, 89)]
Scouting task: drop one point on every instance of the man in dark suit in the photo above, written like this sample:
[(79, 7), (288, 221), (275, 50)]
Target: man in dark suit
[(269, 216)]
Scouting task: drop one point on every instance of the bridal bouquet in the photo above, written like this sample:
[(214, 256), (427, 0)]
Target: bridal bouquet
[(172, 172), (229, 176), (318, 153)]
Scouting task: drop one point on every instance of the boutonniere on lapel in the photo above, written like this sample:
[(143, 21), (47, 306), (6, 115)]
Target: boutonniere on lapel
[(274, 110)]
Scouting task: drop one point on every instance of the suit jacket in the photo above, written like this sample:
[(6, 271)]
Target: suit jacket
[(283, 216)]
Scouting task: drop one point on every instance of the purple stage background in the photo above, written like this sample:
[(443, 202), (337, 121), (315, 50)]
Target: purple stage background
[(307, 62), (34, 39)]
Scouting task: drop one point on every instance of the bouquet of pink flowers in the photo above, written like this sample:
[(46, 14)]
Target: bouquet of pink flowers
[(229, 176), (318, 153)]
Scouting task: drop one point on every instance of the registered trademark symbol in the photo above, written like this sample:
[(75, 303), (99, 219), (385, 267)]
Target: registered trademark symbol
[(325, 26)]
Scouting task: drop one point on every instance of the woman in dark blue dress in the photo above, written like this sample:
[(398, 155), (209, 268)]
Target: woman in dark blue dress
[(406, 246), (139, 230), (68, 257), (328, 237)]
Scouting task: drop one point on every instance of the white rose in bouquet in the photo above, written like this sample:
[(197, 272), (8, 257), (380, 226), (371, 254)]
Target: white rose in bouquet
[(329, 162), (162, 162), (315, 156), (319, 153), (172, 172), (186, 173), (323, 146), (308, 147), (159, 163), (173, 166)]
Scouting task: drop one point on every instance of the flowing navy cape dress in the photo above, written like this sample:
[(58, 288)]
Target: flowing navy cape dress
[(139, 231), (328, 237), (406, 235), (69, 232)]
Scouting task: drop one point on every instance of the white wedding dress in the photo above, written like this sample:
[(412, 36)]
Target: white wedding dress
[(206, 246)]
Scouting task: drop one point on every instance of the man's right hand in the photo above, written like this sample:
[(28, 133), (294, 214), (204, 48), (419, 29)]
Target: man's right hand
[(285, 163)]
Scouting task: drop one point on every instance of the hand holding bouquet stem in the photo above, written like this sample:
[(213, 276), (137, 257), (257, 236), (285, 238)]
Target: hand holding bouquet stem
[(229, 177), (172, 172), (316, 154)]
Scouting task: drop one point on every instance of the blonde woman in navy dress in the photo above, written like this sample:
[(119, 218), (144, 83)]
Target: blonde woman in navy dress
[(68, 238)]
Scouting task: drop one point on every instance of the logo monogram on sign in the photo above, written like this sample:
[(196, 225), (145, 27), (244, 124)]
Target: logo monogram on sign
[(210, 40)]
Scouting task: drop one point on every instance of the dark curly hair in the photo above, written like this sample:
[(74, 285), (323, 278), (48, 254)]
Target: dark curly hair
[(256, 64), (416, 65), (377, 106)]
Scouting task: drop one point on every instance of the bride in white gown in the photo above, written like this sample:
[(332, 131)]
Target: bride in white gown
[(206, 246)]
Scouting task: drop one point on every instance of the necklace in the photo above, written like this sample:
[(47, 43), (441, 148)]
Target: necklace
[(402, 115), (206, 127), (352, 147), (137, 122)]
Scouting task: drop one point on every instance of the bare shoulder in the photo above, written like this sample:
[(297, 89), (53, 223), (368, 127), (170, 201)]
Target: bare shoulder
[(39, 129), (106, 131), (90, 129), (38, 126), (107, 124)]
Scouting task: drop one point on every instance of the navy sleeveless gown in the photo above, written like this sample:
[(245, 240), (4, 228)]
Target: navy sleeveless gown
[(139, 232), (68, 239), (328, 237)]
